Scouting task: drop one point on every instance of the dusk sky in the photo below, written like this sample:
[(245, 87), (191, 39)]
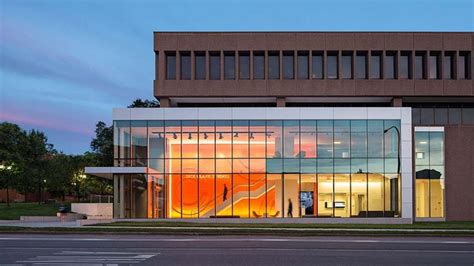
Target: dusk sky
[(65, 64)]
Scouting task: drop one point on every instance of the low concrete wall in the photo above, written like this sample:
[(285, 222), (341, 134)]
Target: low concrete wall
[(95, 210), (93, 221), (65, 217), (39, 218)]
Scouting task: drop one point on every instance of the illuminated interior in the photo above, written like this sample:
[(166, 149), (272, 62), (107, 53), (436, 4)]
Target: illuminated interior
[(429, 154), (258, 169)]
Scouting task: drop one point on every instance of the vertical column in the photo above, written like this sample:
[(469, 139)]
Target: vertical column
[(281, 101), (122, 197), (406, 165), (116, 206)]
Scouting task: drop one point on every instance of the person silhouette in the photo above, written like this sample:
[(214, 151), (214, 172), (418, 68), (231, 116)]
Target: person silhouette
[(290, 208), (224, 195)]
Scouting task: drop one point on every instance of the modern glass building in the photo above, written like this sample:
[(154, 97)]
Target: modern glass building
[(233, 162), (362, 127)]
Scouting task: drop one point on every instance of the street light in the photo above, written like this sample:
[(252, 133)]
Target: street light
[(3, 167), (398, 152), (6, 169), (394, 196)]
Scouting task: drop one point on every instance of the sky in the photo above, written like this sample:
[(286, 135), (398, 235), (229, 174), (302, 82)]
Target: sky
[(64, 64)]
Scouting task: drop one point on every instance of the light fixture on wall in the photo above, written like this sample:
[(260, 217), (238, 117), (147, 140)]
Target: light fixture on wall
[(220, 135), (157, 133), (205, 136), (251, 135), (236, 135), (420, 155), (190, 136), (175, 136)]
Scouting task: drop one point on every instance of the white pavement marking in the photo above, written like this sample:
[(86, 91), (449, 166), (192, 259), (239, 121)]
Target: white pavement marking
[(90, 257), (239, 240)]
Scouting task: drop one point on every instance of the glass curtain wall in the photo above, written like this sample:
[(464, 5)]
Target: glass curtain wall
[(429, 164), (259, 168)]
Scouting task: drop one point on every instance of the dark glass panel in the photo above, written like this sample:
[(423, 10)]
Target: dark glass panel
[(258, 65), (462, 69), (244, 65), (346, 65), (200, 65), (273, 65), (303, 65), (185, 65), (404, 70), (317, 68), (361, 66), (468, 116), (427, 115), (416, 116), (288, 65), (448, 66), (420, 66), (375, 65), (390, 65), (332, 66), (171, 65), (455, 116), (215, 65), (229, 65), (433, 61), (441, 116)]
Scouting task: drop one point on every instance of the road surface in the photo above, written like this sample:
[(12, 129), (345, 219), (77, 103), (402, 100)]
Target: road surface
[(80, 249)]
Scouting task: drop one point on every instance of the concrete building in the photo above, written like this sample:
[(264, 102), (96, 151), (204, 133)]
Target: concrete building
[(317, 125)]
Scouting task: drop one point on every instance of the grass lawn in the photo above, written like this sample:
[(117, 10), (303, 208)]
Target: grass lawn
[(26, 209), (416, 225)]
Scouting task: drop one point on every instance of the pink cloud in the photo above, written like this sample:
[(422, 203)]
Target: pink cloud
[(15, 118)]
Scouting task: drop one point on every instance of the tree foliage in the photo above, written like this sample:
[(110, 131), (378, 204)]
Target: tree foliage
[(103, 145), (30, 164), (144, 104)]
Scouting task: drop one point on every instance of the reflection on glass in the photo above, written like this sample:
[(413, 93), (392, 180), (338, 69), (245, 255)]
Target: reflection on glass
[(429, 166), (122, 142)]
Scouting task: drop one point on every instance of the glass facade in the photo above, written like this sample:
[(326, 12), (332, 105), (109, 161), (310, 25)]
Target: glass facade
[(258, 168), (429, 164)]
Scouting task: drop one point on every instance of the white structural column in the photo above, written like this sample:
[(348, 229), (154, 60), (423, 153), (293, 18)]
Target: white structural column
[(407, 164)]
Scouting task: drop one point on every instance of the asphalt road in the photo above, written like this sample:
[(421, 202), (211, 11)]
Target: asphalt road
[(18, 249)]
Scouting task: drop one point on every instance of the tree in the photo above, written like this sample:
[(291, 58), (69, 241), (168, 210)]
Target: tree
[(13, 141), (103, 145), (60, 171), (39, 151), (144, 104)]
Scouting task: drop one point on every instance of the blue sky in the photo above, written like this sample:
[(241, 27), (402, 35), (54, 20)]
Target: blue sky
[(64, 64)]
